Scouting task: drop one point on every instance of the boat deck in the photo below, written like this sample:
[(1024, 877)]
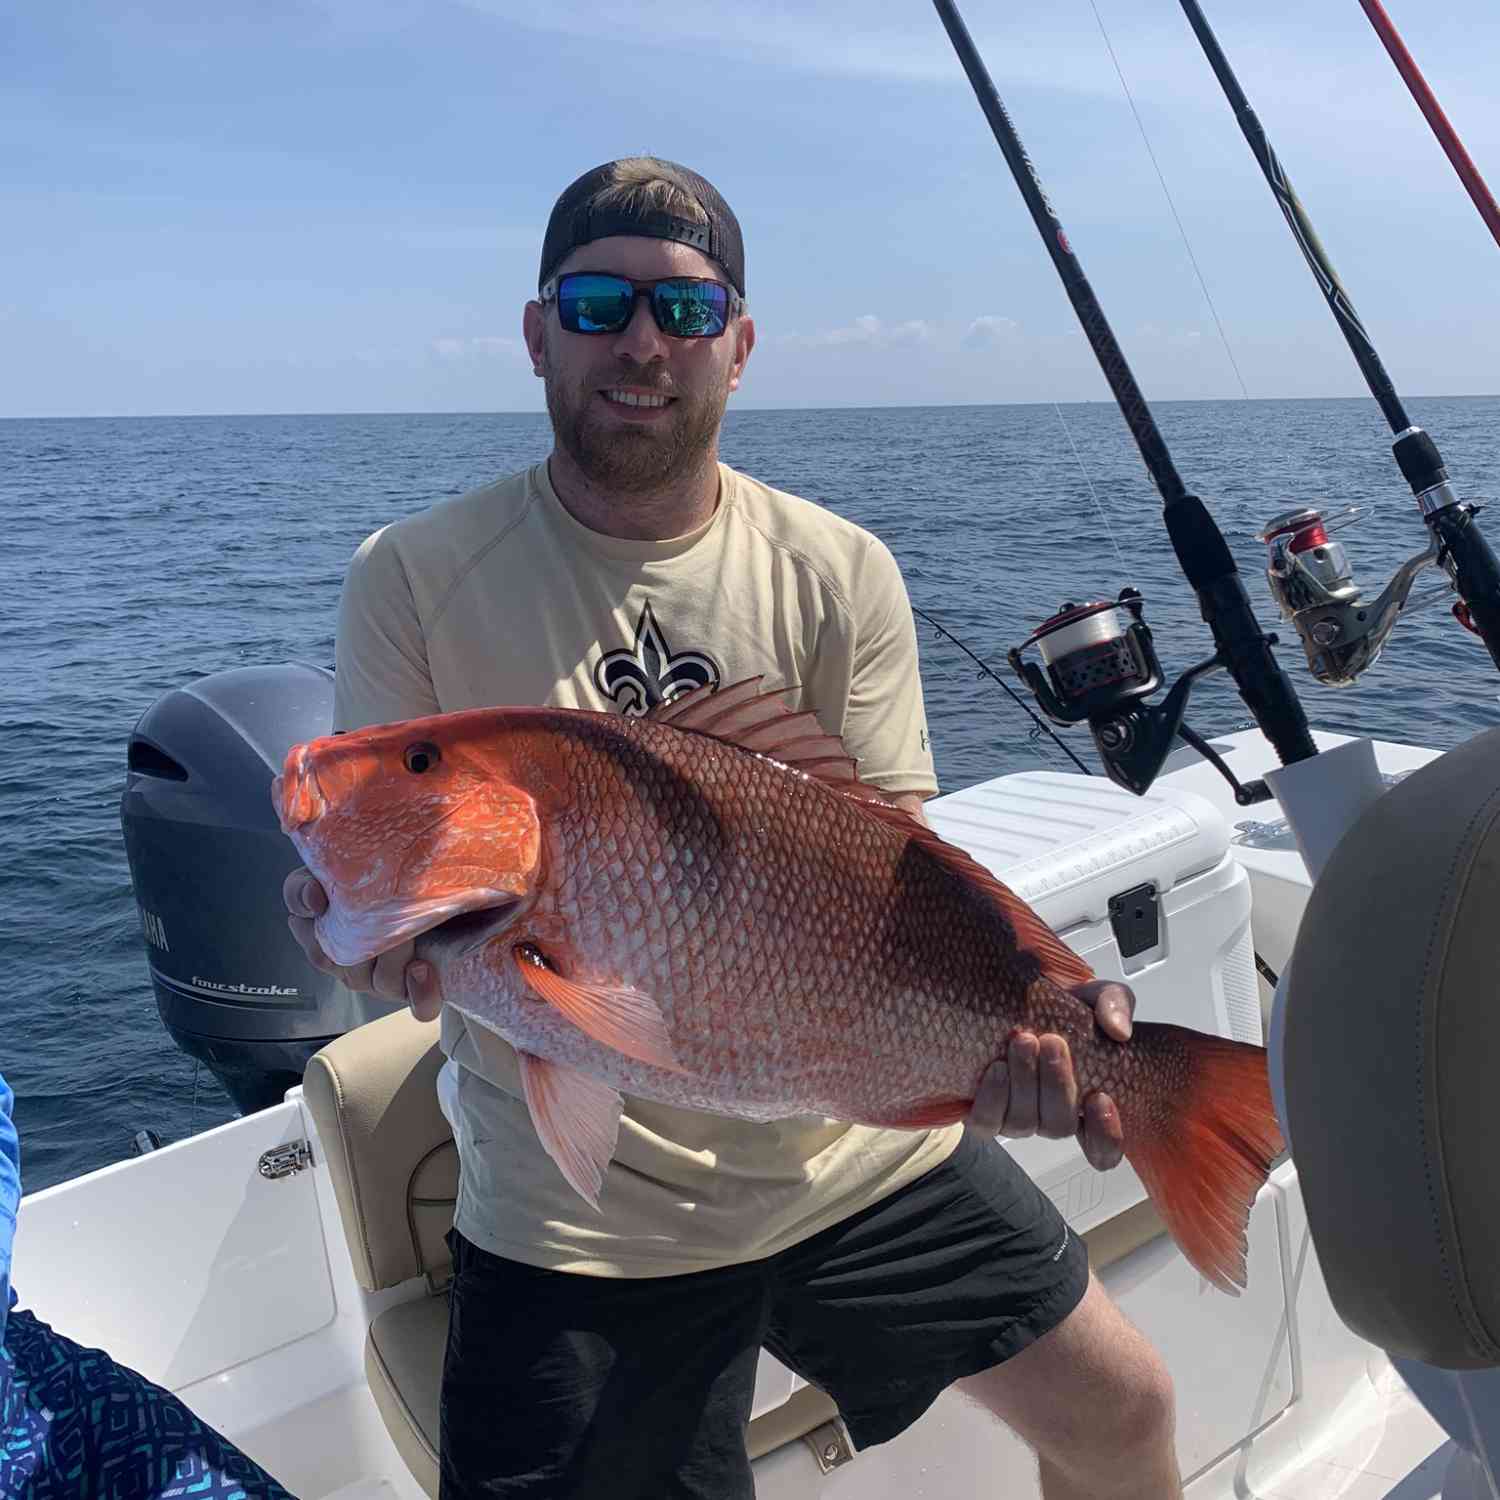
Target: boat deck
[(1383, 1447)]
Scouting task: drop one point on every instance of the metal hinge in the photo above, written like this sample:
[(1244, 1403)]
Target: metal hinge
[(283, 1161), (830, 1445)]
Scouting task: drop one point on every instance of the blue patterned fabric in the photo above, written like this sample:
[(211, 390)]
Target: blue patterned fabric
[(78, 1426), (10, 1199), (74, 1425)]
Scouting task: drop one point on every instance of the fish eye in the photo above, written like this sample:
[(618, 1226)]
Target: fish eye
[(422, 756)]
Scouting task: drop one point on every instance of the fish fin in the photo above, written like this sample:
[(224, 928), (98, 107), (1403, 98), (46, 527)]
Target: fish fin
[(931, 1114), (713, 702), (576, 1118), (689, 705), (616, 1015), (1059, 962), (743, 715), (1202, 1141)]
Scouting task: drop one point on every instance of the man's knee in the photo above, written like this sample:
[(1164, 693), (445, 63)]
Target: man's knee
[(1138, 1406), (1092, 1386)]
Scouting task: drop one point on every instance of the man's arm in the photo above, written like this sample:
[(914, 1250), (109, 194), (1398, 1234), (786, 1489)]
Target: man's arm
[(381, 672)]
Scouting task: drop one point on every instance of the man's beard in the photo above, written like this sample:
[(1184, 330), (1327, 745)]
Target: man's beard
[(628, 460)]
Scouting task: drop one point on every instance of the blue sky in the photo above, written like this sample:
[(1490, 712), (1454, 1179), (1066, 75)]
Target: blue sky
[(336, 205)]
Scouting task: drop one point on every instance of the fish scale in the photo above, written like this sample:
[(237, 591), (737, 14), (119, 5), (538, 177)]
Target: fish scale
[(751, 932)]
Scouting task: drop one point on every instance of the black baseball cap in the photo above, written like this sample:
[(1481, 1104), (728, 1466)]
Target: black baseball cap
[(575, 223)]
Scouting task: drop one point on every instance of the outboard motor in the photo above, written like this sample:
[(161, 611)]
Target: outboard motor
[(207, 860)]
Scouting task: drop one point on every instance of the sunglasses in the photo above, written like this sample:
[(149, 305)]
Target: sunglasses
[(685, 307)]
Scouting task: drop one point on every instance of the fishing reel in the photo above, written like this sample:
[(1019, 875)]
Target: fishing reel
[(1101, 666), (1313, 584)]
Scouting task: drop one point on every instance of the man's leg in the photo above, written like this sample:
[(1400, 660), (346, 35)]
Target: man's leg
[(570, 1387), (969, 1277), (1095, 1401)]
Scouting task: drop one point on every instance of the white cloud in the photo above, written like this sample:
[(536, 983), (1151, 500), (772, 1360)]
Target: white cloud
[(843, 37), (867, 331), (1156, 333), (850, 38), (482, 347), (989, 332)]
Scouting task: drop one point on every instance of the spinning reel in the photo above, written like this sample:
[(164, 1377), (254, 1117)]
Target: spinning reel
[(1101, 666), (1313, 584)]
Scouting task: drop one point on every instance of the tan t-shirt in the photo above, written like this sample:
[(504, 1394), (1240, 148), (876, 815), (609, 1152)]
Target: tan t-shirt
[(501, 596)]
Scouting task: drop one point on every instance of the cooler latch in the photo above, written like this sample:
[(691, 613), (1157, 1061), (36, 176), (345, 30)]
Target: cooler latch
[(1135, 916)]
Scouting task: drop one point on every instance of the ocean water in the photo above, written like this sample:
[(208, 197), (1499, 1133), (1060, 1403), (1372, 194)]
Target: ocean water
[(141, 554)]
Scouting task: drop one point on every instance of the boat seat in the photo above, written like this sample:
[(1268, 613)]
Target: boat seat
[(394, 1166), (1392, 1032), (404, 1365)]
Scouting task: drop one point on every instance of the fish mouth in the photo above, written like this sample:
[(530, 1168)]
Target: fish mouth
[(468, 930), (352, 936), (295, 794)]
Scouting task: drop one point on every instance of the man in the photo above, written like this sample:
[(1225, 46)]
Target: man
[(613, 1354), (75, 1424)]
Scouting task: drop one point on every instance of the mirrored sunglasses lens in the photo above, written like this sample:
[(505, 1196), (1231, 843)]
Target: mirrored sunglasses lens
[(691, 309), (594, 304)]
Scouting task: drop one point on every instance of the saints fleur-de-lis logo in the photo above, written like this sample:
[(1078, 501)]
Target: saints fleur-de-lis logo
[(650, 672)]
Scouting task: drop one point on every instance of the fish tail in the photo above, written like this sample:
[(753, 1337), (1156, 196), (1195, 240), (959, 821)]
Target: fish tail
[(1202, 1135)]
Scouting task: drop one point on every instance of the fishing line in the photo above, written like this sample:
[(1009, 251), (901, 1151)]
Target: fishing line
[(1166, 193), (1098, 503), (988, 671)]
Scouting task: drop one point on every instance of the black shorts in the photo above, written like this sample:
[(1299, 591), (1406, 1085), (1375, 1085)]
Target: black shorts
[(576, 1387)]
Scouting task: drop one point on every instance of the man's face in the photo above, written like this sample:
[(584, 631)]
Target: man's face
[(618, 446)]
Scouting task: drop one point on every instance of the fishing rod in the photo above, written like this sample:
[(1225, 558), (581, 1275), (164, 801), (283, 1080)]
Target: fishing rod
[(1342, 632), (1100, 663), (1042, 727), (1468, 173)]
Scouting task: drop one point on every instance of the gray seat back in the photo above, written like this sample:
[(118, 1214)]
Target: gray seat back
[(1392, 1060)]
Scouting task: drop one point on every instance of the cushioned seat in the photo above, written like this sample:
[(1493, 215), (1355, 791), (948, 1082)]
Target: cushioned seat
[(394, 1166), (1392, 1035), (404, 1365)]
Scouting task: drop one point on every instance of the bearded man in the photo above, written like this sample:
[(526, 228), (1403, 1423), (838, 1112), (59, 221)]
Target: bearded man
[(613, 1354)]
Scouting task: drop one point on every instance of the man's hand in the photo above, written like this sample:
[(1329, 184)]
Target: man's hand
[(1032, 1091), (391, 975)]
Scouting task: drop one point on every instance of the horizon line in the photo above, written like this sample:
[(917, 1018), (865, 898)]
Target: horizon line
[(169, 416)]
